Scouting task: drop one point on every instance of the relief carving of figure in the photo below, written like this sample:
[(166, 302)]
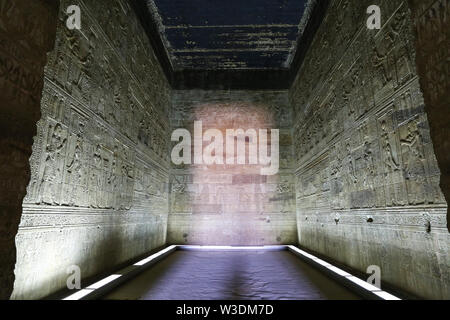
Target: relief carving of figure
[(351, 170), (74, 167), (380, 63), (369, 164), (114, 169), (52, 172), (97, 177), (390, 157), (414, 170), (413, 142), (394, 190), (75, 172), (81, 48)]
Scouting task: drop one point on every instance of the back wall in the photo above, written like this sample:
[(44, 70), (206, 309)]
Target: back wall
[(232, 204)]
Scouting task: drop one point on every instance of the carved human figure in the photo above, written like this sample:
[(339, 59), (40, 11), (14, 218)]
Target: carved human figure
[(74, 169), (369, 166), (391, 166), (74, 166), (113, 115), (406, 101), (113, 180), (61, 76), (52, 171), (390, 157), (81, 49), (101, 108), (97, 177), (414, 168), (380, 63), (352, 180), (403, 64), (142, 135)]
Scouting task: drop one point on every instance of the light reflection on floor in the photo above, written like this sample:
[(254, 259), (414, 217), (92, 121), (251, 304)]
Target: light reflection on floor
[(231, 275)]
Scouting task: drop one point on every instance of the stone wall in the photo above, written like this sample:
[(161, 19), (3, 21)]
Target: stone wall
[(100, 167), (27, 33), (433, 58), (232, 204), (367, 180)]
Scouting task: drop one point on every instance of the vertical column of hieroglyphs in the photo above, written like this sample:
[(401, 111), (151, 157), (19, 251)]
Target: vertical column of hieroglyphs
[(367, 178), (27, 32), (233, 204), (98, 194), (432, 44)]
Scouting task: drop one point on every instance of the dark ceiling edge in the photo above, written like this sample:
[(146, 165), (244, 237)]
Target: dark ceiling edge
[(318, 14), (251, 79), (151, 29)]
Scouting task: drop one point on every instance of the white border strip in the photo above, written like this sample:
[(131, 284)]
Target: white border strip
[(123, 273), (156, 255), (79, 294), (230, 248), (345, 276)]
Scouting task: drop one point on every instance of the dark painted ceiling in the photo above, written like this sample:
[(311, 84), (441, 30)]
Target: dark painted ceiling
[(230, 44), (228, 34)]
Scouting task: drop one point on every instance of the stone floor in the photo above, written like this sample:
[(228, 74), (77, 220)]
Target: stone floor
[(231, 275)]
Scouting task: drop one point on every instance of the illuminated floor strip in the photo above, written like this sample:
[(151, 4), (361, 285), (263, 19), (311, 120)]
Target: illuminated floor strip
[(124, 272), (79, 294), (104, 282), (156, 255), (363, 284), (84, 293), (230, 248)]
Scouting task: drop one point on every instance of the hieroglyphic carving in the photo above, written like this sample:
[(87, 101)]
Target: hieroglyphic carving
[(359, 119), (90, 80), (53, 165), (414, 164), (101, 83), (367, 162)]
